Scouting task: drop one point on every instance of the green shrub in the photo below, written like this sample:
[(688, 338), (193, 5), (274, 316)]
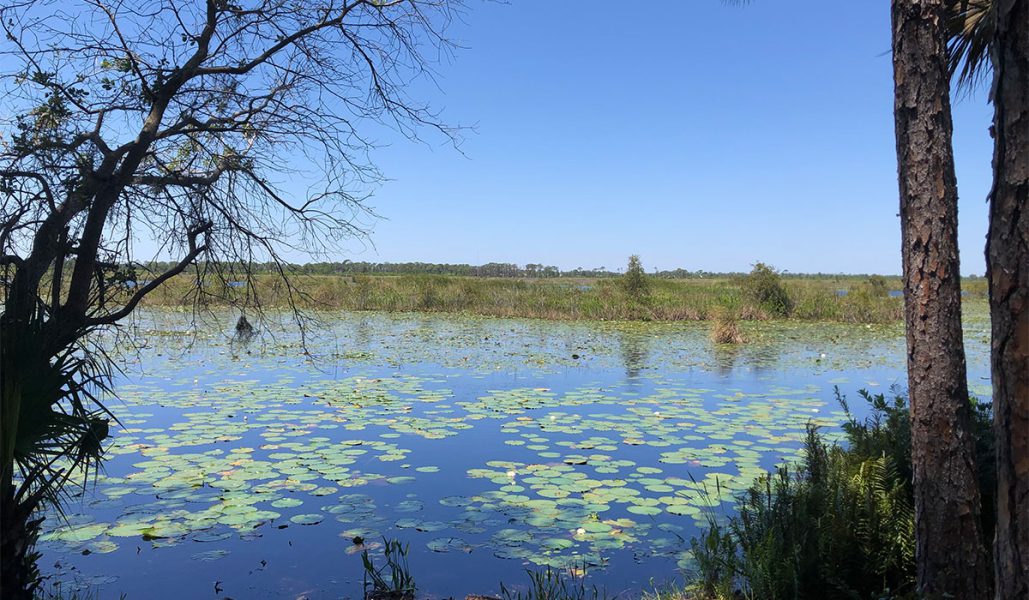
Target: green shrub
[(634, 281), (763, 286), (838, 525), (878, 287)]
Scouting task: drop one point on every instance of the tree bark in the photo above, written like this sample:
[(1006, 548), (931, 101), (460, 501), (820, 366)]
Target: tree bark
[(1007, 268), (949, 551)]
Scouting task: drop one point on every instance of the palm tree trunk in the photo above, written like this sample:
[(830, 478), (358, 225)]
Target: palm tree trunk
[(1007, 265), (949, 552), (19, 529)]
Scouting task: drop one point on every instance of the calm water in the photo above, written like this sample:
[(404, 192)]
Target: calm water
[(490, 446)]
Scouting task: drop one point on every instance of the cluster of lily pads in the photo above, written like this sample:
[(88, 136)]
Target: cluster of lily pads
[(245, 456), (455, 435)]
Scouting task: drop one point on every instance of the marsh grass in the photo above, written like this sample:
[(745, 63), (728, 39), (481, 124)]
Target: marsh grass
[(725, 328), (554, 584), (392, 580), (810, 299)]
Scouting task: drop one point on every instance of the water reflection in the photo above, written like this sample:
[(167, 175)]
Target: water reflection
[(635, 352), (726, 356)]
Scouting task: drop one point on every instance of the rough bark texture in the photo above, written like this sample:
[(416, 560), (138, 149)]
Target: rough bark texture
[(949, 552), (1007, 260)]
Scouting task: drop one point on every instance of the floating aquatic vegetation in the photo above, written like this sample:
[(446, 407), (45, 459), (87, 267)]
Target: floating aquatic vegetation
[(465, 447)]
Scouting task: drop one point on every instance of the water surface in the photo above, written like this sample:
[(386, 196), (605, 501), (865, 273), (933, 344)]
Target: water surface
[(489, 445)]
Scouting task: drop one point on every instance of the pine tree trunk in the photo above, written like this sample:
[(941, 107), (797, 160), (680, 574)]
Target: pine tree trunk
[(949, 552), (1007, 264)]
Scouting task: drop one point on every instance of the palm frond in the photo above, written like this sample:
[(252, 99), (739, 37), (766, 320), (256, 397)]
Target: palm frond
[(971, 27), (58, 421)]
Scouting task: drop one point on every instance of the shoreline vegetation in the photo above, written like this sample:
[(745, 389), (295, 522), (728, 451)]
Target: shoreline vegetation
[(845, 299)]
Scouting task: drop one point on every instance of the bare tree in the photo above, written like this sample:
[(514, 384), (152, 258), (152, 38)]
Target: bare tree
[(949, 553), (228, 132)]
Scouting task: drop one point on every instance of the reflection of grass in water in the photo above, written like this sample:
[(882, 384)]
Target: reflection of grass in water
[(489, 345)]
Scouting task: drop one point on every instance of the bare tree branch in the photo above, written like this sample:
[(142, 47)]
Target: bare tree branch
[(130, 305)]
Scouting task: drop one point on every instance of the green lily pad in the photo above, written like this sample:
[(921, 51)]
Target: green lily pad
[(307, 519)]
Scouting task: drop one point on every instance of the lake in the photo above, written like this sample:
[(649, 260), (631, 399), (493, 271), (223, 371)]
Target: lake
[(491, 446)]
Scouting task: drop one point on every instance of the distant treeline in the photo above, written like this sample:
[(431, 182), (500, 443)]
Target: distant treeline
[(493, 269)]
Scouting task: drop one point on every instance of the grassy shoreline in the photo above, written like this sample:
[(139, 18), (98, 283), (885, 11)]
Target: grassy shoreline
[(846, 300)]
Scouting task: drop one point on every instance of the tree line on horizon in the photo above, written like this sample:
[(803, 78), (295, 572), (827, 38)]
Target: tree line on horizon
[(491, 269)]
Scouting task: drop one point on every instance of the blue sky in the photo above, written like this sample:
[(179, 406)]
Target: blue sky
[(694, 133)]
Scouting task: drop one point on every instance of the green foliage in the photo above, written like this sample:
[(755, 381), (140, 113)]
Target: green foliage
[(551, 584), (635, 280), (970, 31), (716, 562), (54, 423), (877, 286), (551, 298), (391, 581), (838, 525), (670, 591), (764, 287)]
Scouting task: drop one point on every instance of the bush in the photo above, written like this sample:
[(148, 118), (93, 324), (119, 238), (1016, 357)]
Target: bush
[(878, 287), (763, 286), (838, 525), (634, 281)]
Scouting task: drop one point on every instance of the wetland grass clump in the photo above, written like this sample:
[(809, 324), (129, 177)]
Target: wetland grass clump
[(55, 591), (726, 328), (554, 584), (392, 580)]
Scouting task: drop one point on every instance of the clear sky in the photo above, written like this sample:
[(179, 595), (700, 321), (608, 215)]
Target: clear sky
[(694, 133)]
